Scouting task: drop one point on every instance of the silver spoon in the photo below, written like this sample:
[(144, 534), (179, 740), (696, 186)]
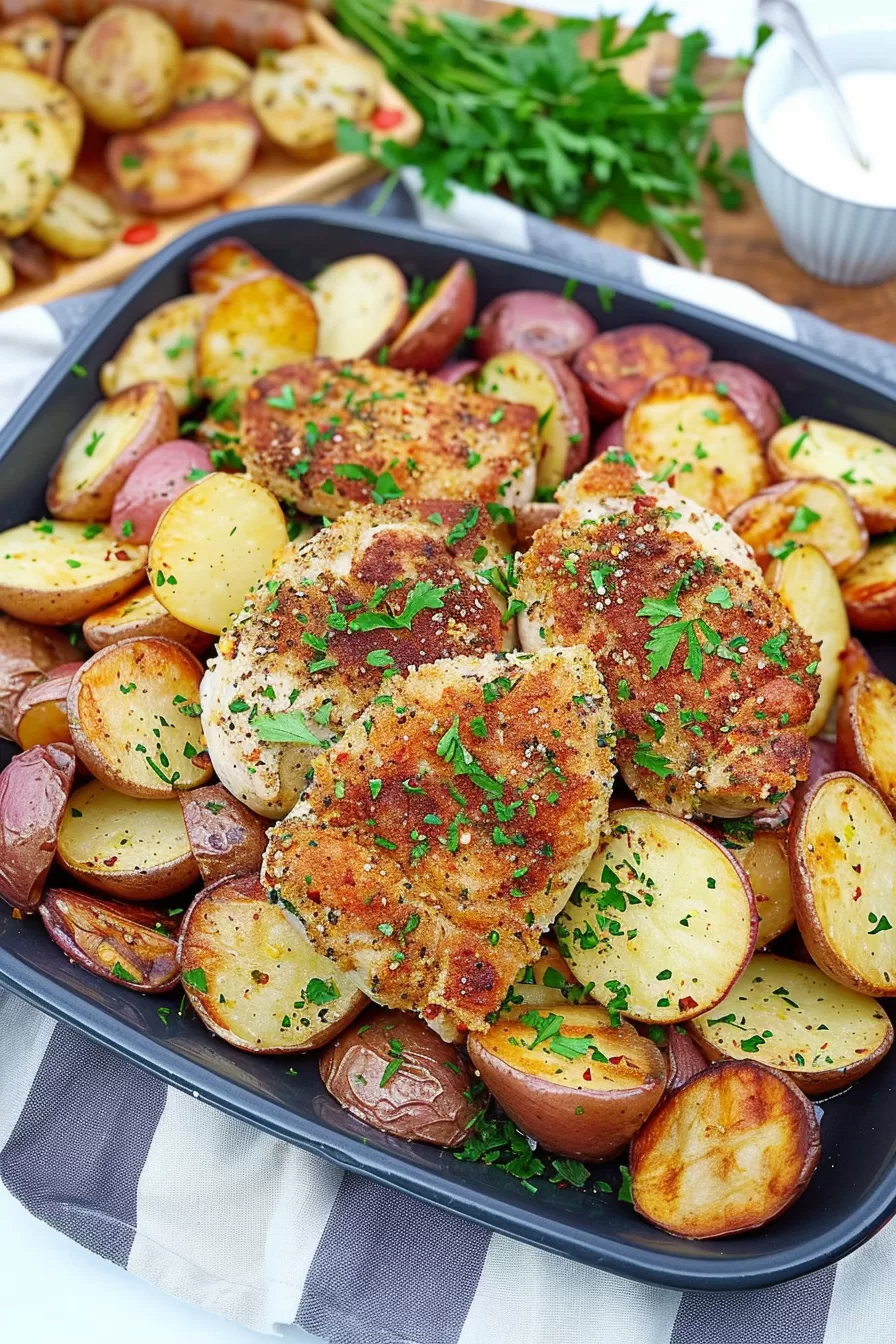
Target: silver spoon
[(786, 17)]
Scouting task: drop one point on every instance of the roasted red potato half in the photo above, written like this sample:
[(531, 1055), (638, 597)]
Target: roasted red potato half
[(790, 513), (728, 1152), (362, 304), (866, 734), (214, 267), (752, 393), (869, 590), (556, 395), (227, 839), (34, 790), (126, 944), (161, 476), (535, 323), (569, 1079), (394, 1072), (41, 715), (438, 325), (686, 1059), (617, 366), (27, 654)]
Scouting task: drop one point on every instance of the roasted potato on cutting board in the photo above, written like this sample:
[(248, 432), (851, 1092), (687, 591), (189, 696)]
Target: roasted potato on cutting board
[(34, 790), (124, 67), (34, 160), (11, 58), (53, 573), (815, 512), (161, 349), (39, 39), (27, 91), (209, 74), (78, 223), (299, 95), (864, 465), (128, 944), (253, 977)]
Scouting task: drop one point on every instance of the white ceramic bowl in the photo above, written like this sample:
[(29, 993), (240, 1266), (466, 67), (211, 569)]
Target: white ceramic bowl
[(835, 239)]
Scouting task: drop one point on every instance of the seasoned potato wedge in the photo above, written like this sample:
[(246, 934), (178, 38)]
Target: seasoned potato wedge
[(439, 323), (228, 259), (300, 95), (685, 1059), (102, 451), (27, 91), (161, 348), (843, 869), (34, 790), (792, 1016), (133, 848), (728, 1152), (766, 863), (390, 1070), (32, 163), (78, 222), (41, 714), (53, 573), (117, 942), (192, 157), (548, 386), (617, 366), (226, 838), (662, 923), (123, 66), (869, 590), (535, 323), (361, 305), (866, 734), (253, 977), (133, 712), (211, 545), (208, 74), (140, 614), (39, 39), (578, 1085), (808, 587), (158, 478), (27, 654), (682, 431), (752, 393), (815, 511), (252, 327), (865, 465)]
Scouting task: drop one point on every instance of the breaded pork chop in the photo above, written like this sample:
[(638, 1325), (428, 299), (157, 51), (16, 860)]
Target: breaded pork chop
[(381, 590), (443, 833), (711, 682), (331, 436)]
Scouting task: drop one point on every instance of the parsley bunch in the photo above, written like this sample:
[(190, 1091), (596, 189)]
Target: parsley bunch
[(512, 106)]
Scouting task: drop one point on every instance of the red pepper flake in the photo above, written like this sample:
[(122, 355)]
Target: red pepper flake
[(139, 234), (684, 1005), (431, 1010), (110, 863), (386, 118), (615, 1059), (858, 893), (587, 1075)]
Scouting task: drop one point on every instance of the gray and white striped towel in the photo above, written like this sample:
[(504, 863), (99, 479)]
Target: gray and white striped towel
[(240, 1224)]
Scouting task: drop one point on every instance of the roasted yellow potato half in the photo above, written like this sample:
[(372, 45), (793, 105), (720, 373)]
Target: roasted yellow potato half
[(808, 587), (27, 654), (866, 734), (211, 545), (728, 1152), (192, 157), (253, 326), (570, 1079), (227, 839), (228, 259), (34, 791), (162, 349), (33, 163), (53, 573), (208, 74), (663, 921), (864, 465), (133, 712), (124, 67), (133, 848), (766, 863), (140, 614), (28, 91), (253, 977), (300, 95), (843, 869), (78, 222), (684, 432), (126, 944), (361, 305), (555, 393), (817, 512), (105, 446), (41, 714), (792, 1016), (869, 590)]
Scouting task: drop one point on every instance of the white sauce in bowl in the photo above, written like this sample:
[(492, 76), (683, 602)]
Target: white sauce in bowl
[(802, 134)]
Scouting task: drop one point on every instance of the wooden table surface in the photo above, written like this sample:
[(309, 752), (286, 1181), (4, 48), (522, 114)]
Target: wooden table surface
[(742, 245)]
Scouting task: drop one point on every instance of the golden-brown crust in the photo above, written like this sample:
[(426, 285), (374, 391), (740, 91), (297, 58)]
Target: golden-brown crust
[(439, 837), (432, 439), (723, 741)]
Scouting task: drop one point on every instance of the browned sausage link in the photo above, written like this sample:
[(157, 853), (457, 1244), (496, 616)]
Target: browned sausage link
[(243, 26)]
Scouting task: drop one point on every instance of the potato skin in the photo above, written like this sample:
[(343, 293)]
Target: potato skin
[(555, 394), (766, 519), (39, 38), (869, 589), (34, 789), (686, 1060), (424, 1098), (157, 479), (227, 839), (862, 746), (438, 325), (613, 436), (124, 67), (528, 518), (617, 366), (140, 614), (754, 395), (100, 935), (459, 371), (52, 689), (27, 652), (534, 322)]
